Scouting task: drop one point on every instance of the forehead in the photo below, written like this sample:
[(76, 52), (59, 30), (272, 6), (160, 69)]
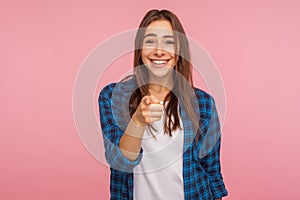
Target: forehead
[(160, 28)]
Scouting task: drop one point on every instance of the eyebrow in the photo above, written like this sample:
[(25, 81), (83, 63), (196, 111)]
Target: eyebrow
[(153, 34)]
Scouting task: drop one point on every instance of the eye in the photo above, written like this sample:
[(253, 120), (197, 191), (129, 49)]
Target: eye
[(170, 42), (149, 41)]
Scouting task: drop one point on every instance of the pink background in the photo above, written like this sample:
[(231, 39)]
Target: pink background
[(43, 43)]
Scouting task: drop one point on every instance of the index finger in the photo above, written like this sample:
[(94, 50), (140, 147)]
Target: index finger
[(146, 100), (150, 99)]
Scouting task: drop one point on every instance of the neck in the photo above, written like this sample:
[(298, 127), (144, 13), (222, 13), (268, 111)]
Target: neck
[(159, 91), (161, 83), (157, 88), (160, 86)]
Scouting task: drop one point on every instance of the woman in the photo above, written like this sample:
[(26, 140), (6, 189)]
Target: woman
[(161, 134)]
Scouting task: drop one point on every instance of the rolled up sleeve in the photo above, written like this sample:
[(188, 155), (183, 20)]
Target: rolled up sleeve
[(112, 134)]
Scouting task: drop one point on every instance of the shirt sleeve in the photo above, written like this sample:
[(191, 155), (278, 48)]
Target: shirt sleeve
[(210, 160), (112, 134)]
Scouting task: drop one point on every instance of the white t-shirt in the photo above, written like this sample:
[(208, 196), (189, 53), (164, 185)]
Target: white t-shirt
[(159, 174)]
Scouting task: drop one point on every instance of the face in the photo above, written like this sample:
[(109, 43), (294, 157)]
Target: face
[(158, 48)]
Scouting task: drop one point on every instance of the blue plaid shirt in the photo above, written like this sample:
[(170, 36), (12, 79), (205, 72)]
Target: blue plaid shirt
[(201, 160)]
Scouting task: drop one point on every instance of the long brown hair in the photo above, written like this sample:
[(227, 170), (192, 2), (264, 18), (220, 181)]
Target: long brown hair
[(180, 93)]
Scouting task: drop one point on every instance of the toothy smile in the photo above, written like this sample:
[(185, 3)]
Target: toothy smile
[(159, 62)]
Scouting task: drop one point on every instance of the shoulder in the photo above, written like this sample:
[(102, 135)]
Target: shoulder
[(106, 91), (206, 103), (118, 88), (203, 97)]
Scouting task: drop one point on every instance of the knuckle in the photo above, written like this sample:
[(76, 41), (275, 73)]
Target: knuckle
[(144, 113)]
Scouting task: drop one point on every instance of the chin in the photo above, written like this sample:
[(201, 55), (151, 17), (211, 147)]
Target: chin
[(160, 72)]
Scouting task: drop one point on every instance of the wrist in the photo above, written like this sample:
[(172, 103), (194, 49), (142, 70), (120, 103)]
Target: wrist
[(137, 122), (134, 129)]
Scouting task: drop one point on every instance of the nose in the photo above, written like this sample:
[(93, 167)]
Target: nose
[(159, 51)]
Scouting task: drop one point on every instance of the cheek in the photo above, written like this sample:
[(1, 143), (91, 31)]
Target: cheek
[(172, 64), (145, 54), (174, 59)]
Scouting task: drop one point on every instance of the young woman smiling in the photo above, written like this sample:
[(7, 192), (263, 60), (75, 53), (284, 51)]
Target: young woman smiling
[(161, 134)]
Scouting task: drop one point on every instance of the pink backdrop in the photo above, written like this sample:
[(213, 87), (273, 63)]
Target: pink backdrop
[(43, 43)]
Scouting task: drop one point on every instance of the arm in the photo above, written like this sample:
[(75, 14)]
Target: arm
[(112, 133), (131, 140), (211, 161), (147, 112), (122, 150)]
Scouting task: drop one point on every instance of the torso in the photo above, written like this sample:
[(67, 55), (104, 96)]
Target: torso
[(159, 174)]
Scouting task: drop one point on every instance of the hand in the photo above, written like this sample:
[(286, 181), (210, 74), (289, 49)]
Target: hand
[(149, 110)]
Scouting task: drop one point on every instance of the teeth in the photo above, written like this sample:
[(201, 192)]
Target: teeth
[(159, 61)]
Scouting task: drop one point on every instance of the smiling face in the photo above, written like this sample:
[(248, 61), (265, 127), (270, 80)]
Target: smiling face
[(158, 48)]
